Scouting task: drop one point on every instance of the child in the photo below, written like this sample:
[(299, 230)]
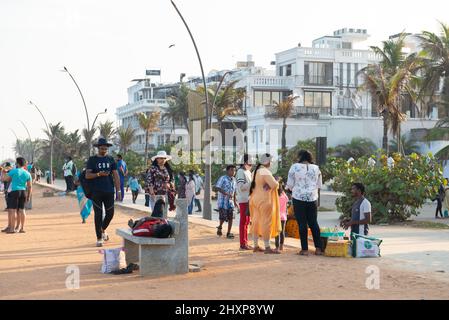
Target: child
[(283, 200), (133, 183)]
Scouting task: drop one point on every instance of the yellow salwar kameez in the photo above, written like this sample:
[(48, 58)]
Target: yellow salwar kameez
[(264, 206)]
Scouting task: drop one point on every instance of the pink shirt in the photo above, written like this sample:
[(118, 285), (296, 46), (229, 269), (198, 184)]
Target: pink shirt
[(283, 200)]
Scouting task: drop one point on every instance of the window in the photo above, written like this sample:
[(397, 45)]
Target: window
[(275, 96), (266, 98), (281, 71), (258, 98), (318, 73), (289, 70), (317, 99)]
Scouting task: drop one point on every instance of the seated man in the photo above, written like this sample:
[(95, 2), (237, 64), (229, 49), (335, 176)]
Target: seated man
[(361, 212)]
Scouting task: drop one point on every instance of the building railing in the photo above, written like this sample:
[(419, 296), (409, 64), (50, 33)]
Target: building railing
[(312, 80), (314, 112), (339, 54), (270, 81), (138, 104)]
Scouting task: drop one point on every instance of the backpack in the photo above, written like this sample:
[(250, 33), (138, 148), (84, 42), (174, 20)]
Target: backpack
[(156, 228), (85, 184)]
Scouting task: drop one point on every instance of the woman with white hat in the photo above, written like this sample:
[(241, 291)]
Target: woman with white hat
[(159, 180), (264, 205)]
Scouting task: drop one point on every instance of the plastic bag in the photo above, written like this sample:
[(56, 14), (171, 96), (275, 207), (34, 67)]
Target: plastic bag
[(113, 260), (365, 247)]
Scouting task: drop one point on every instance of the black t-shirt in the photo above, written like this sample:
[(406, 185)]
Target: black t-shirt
[(97, 164)]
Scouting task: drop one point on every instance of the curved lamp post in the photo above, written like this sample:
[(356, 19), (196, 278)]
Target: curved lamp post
[(31, 141), (89, 128), (51, 141), (207, 210)]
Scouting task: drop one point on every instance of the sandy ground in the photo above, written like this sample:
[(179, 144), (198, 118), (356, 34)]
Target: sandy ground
[(33, 266)]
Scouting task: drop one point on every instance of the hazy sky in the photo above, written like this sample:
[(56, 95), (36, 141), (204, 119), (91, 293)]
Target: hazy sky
[(107, 43)]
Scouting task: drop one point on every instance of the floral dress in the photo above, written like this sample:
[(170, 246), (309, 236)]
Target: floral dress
[(159, 179)]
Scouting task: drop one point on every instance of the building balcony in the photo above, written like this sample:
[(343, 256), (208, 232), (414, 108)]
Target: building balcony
[(272, 82), (339, 55), (301, 112), (154, 104)]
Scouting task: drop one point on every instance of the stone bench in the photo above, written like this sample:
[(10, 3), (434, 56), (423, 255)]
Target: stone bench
[(157, 256)]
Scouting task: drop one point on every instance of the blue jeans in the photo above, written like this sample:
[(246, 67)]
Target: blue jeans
[(190, 208), (122, 188)]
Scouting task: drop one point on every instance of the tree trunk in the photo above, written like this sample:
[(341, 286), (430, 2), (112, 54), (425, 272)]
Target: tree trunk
[(283, 141), (385, 135), (146, 146)]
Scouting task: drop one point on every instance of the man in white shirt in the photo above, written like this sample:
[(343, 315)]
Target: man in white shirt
[(361, 211), (244, 178), (68, 174)]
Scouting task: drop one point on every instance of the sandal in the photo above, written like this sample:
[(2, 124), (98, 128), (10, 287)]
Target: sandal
[(22, 231), (258, 249), (319, 252), (230, 236), (271, 251), (219, 233), (303, 253)]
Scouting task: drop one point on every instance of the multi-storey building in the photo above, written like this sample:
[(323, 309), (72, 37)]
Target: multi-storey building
[(326, 81), (147, 97)]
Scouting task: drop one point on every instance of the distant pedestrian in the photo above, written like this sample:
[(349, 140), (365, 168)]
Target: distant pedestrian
[(440, 198), (198, 187), (102, 170), (283, 201), (20, 193), (190, 192), (135, 187), (69, 175), (122, 173), (182, 182), (305, 182), (6, 168), (226, 186), (244, 178)]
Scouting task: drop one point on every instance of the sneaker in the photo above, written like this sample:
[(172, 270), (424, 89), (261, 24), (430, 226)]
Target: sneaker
[(100, 243), (105, 236)]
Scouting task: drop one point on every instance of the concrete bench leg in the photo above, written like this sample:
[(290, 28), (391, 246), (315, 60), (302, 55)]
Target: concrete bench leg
[(159, 260), (131, 252)]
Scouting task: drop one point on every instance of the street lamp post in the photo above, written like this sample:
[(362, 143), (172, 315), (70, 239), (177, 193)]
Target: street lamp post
[(31, 141), (89, 138), (207, 210), (51, 141)]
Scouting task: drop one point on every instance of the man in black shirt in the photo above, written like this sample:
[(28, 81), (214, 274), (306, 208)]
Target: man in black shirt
[(102, 170)]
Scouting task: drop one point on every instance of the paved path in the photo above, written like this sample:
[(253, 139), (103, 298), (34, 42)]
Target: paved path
[(424, 250)]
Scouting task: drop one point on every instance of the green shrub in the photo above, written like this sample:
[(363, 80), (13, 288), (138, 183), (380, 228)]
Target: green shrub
[(395, 194)]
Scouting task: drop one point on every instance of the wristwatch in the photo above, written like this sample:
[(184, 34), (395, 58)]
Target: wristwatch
[(98, 174)]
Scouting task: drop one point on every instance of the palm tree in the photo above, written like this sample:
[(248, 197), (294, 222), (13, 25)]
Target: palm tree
[(407, 144), (358, 147), (54, 132), (284, 110), (436, 67), (178, 109), (88, 137), (106, 129), (148, 123), (389, 80), (126, 137), (73, 143), (228, 102)]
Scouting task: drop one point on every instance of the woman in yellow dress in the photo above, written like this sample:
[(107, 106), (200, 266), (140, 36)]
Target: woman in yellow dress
[(264, 205)]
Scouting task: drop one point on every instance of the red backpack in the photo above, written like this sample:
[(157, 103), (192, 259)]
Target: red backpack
[(158, 228)]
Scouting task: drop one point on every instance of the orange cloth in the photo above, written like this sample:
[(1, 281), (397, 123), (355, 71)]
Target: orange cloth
[(264, 206)]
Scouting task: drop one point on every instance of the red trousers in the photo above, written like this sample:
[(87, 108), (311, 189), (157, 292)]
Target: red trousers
[(244, 222)]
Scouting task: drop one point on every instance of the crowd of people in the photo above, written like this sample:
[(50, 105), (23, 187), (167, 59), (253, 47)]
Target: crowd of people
[(261, 199)]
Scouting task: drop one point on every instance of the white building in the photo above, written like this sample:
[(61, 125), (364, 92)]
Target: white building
[(325, 81), (147, 97)]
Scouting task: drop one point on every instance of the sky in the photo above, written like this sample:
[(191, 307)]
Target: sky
[(107, 43)]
